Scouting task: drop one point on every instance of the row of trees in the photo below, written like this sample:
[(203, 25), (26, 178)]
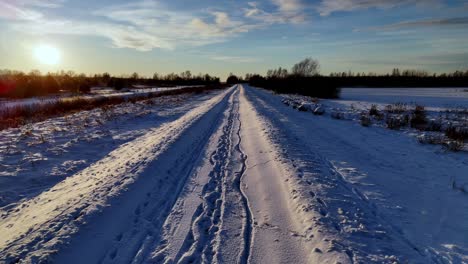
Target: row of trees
[(17, 84), (304, 78), (396, 72)]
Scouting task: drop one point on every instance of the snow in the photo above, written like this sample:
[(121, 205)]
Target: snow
[(232, 176), (278, 235), (411, 186), (37, 156)]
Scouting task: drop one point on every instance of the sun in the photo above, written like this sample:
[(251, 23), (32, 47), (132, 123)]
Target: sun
[(47, 54)]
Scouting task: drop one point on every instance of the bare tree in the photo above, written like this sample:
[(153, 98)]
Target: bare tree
[(277, 73), (186, 75), (306, 67), (134, 76)]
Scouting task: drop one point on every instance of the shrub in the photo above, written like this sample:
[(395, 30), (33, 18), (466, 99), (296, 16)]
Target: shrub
[(434, 126), (286, 101), (430, 139), (319, 110), (394, 123), (85, 88), (306, 107), (295, 104), (117, 83), (457, 133), (418, 118), (396, 108), (365, 120), (374, 111), (455, 145), (405, 120), (337, 115)]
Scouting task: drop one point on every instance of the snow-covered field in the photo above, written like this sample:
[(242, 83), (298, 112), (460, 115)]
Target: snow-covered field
[(440, 109), (231, 176), (433, 98)]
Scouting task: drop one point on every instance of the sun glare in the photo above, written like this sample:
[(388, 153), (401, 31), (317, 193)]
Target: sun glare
[(47, 54)]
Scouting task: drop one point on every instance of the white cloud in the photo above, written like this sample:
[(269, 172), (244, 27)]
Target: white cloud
[(147, 24), (223, 26), (223, 20), (288, 6), (142, 26), (288, 11)]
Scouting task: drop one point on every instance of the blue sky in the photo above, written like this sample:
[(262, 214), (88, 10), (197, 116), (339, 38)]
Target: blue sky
[(220, 37)]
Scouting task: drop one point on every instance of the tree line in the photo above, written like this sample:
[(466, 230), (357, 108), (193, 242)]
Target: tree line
[(17, 84), (305, 78)]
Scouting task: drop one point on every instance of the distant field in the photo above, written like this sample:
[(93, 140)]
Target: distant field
[(429, 97)]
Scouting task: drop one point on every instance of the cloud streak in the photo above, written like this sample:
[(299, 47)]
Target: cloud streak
[(288, 11), (328, 7), (444, 22), (25, 9)]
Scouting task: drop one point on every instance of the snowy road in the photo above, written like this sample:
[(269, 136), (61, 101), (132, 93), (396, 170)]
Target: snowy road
[(240, 178)]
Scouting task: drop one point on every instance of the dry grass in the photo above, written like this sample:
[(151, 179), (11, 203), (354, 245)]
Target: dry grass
[(455, 146), (338, 115), (457, 133), (23, 114), (396, 122), (418, 118), (396, 108), (365, 120)]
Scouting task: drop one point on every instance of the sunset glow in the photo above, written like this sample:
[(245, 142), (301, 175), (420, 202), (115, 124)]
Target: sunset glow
[(47, 54)]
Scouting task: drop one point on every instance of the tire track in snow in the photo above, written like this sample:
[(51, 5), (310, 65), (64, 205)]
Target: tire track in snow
[(206, 220), (202, 246), (220, 228), (147, 238), (276, 233), (245, 255)]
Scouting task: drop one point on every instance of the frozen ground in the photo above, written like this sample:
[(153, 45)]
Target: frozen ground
[(232, 176)]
